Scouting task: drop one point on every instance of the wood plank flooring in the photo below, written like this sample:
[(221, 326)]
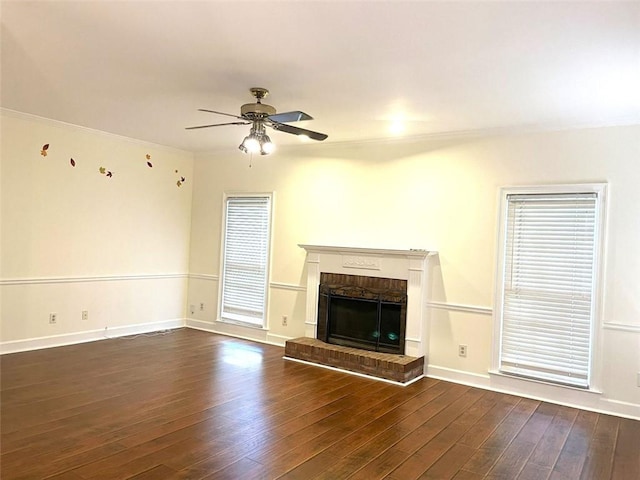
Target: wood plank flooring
[(193, 405)]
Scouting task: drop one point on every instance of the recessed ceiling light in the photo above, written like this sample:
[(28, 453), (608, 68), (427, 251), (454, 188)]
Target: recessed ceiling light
[(397, 127)]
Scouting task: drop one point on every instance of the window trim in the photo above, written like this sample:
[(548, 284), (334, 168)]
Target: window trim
[(595, 361), (223, 234)]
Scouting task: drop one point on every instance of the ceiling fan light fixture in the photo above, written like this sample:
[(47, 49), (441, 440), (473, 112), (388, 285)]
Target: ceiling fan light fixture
[(250, 144), (266, 145)]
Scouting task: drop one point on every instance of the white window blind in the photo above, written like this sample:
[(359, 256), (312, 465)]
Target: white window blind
[(245, 259), (548, 286)]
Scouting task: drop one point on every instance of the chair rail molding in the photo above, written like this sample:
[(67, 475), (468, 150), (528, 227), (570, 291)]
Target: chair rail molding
[(93, 278)]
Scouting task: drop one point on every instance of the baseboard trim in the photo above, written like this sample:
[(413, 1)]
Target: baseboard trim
[(584, 400), (199, 324), (52, 341), (458, 376), (279, 340), (237, 331)]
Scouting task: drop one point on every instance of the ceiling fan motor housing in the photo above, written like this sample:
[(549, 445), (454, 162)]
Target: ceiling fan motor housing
[(256, 110)]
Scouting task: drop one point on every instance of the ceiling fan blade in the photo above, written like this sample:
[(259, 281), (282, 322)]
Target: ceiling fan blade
[(217, 125), (221, 113), (287, 117), (283, 127)]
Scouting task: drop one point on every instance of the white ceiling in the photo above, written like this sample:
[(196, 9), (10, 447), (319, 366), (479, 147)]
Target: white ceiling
[(142, 69)]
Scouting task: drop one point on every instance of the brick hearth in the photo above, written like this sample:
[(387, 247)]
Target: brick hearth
[(398, 368)]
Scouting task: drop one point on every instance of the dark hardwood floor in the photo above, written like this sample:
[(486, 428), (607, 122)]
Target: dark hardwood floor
[(193, 405)]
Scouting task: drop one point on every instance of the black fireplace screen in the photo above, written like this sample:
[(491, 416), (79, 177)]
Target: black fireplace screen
[(365, 323), (362, 312)]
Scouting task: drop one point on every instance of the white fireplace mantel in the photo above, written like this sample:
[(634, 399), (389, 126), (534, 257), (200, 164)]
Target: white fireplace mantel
[(366, 251), (410, 265)]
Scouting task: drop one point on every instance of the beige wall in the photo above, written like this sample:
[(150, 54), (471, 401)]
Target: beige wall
[(136, 251), (438, 195), (74, 239)]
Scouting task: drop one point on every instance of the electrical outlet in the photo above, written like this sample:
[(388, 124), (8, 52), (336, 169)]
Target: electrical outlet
[(53, 318), (462, 350), (284, 320), (192, 309), (202, 307), (638, 379), (85, 315)]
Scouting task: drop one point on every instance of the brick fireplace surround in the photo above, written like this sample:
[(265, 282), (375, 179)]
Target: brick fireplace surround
[(409, 265)]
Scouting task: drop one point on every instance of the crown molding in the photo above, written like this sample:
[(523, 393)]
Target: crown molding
[(92, 131)]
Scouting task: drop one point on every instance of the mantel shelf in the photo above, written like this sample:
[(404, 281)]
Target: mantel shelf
[(414, 253)]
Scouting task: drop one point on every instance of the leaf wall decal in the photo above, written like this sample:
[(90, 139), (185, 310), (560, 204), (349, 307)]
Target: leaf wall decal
[(104, 171)]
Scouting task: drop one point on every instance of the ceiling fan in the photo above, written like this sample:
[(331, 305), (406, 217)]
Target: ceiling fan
[(260, 115)]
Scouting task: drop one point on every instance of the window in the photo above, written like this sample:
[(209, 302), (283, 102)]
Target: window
[(245, 259), (547, 282)]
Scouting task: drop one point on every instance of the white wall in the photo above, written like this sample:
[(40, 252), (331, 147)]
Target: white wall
[(438, 195), (74, 239)]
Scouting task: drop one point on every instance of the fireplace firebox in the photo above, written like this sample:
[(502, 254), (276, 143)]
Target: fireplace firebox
[(362, 312)]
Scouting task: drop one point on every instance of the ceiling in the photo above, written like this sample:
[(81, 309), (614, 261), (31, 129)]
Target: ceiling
[(363, 70)]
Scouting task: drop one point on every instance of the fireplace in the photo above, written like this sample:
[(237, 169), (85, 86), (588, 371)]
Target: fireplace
[(362, 312), (380, 294)]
